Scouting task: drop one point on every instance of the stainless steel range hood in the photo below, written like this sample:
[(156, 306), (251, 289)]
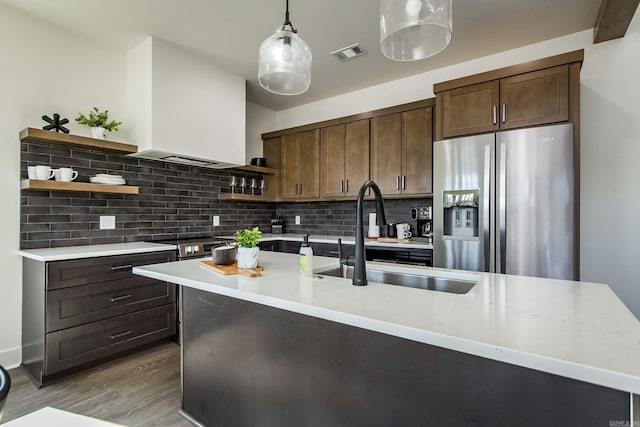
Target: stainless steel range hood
[(184, 109)]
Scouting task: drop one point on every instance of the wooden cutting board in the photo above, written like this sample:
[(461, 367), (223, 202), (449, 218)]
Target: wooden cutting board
[(392, 240), (232, 269)]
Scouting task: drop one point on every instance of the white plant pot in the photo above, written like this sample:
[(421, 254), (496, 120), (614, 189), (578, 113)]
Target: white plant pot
[(248, 257), (99, 133)]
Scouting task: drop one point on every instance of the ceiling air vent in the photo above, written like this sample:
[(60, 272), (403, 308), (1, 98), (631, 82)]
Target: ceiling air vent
[(349, 52)]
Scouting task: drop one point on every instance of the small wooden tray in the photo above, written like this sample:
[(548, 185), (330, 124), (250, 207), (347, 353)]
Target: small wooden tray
[(232, 269), (392, 240)]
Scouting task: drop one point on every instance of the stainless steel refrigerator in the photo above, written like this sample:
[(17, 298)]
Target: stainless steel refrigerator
[(505, 203)]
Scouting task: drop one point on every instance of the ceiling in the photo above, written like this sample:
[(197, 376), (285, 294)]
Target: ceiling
[(229, 32)]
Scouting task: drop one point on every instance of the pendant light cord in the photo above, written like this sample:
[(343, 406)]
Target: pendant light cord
[(286, 19)]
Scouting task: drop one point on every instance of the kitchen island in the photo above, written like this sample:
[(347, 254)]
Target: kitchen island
[(287, 350)]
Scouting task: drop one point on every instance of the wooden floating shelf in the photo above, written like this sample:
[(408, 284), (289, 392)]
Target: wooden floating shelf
[(57, 138), (37, 184), (247, 197), (258, 169)]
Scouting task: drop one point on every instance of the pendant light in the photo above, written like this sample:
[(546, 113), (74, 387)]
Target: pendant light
[(285, 61), (414, 29)]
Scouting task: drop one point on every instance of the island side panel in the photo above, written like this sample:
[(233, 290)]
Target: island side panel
[(245, 364)]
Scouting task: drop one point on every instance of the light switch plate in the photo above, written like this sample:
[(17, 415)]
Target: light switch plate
[(216, 220), (297, 219), (107, 222)]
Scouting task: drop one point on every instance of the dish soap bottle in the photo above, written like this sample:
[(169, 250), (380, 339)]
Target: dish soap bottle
[(306, 258)]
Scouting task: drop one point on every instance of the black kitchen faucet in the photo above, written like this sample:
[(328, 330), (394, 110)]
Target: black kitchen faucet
[(360, 272)]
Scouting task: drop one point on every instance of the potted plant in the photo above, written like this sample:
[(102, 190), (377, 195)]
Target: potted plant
[(99, 122), (248, 249)]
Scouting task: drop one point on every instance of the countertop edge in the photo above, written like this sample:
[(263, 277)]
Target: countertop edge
[(93, 251), (568, 369)]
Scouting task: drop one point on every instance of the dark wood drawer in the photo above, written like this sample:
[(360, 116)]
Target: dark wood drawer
[(78, 305), (83, 344), (63, 274)]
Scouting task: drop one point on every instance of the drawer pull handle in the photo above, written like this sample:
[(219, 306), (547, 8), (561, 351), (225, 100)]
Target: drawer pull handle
[(120, 298), (120, 335), (121, 267)]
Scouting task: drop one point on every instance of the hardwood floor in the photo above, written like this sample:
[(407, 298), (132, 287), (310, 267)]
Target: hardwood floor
[(140, 390)]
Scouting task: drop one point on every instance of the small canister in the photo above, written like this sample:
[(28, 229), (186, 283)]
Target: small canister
[(391, 230)]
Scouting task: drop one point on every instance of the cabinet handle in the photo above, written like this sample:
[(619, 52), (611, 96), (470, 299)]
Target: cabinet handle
[(342, 185), (404, 182), (297, 191), (504, 113), (120, 298), (120, 335), (346, 186), (121, 267), (334, 252), (495, 115), (398, 182)]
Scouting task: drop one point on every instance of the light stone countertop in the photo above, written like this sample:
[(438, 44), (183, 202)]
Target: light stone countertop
[(92, 251), (577, 330)]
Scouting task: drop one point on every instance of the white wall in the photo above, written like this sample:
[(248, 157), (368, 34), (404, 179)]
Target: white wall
[(259, 118), (43, 70), (610, 143), (610, 179)]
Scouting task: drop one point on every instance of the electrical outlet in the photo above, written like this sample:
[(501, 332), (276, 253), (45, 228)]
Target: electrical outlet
[(216, 220), (107, 222), (297, 219)]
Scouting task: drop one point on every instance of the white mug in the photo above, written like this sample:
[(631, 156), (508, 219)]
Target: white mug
[(56, 174), (44, 172), (67, 174), (402, 227), (31, 172), (404, 234)]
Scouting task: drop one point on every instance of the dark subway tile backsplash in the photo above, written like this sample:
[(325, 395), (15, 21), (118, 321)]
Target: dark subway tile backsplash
[(174, 201)]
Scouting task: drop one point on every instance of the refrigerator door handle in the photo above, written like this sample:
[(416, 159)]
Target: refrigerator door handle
[(489, 260), (501, 252)]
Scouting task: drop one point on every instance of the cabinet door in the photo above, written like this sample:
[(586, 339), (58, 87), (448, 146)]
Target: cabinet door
[(332, 157), (356, 156), (470, 109), (309, 164), (535, 98), (82, 344), (386, 148), (417, 145), (290, 166)]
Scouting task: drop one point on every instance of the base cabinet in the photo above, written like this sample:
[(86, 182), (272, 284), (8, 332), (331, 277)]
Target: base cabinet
[(273, 367), (77, 313)]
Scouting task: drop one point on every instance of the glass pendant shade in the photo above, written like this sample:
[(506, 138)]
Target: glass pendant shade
[(285, 63), (414, 29)]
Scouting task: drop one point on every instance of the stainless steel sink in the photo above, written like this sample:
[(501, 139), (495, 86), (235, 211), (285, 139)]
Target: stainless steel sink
[(440, 284)]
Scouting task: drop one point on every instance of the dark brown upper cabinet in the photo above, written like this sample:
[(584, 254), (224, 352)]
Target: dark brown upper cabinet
[(401, 152), (344, 159), (529, 99), (300, 165), (539, 92)]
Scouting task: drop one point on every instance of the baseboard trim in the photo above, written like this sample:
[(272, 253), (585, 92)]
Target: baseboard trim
[(11, 358)]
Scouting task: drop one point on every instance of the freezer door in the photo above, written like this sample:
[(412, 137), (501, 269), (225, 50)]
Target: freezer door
[(463, 167), (535, 197)]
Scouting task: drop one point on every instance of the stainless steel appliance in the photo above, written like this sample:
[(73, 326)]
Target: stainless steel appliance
[(198, 247), (422, 216), (505, 203)]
